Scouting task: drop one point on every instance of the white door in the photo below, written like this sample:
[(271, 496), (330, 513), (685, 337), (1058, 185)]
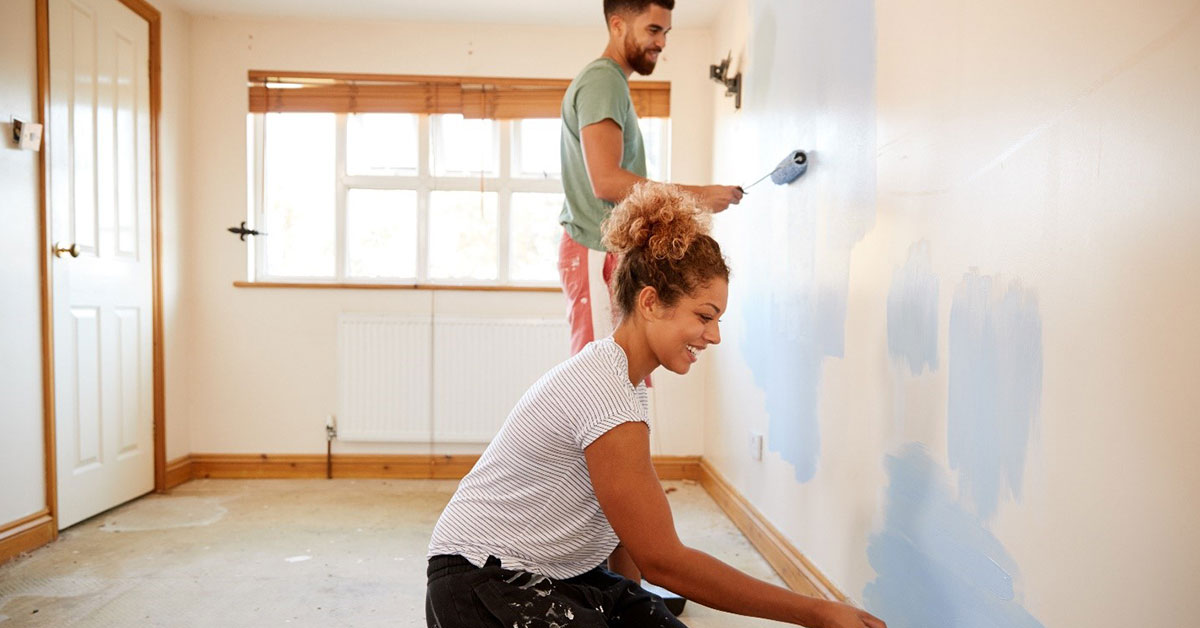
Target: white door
[(99, 194)]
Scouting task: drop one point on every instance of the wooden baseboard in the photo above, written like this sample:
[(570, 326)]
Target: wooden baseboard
[(417, 466), (179, 471), (295, 466), (677, 467), (791, 565), (26, 534)]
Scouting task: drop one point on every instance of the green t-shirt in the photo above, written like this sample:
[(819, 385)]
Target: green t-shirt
[(600, 92)]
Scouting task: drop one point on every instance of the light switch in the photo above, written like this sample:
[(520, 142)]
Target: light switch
[(26, 135)]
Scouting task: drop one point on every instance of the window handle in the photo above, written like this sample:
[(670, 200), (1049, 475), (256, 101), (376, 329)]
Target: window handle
[(242, 231)]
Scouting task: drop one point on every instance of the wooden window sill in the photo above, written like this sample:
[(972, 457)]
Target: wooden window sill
[(392, 286)]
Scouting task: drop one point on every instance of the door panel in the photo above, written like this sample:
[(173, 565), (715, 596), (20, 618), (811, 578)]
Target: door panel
[(99, 156), (83, 416)]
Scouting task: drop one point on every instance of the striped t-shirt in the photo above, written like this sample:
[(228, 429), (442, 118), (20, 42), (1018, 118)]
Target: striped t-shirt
[(529, 500)]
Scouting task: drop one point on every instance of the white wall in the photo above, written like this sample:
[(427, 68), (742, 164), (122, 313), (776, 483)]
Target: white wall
[(973, 344), (261, 361), (21, 449), (174, 141)]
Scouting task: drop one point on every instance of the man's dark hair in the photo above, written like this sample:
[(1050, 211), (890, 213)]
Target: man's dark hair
[(634, 6)]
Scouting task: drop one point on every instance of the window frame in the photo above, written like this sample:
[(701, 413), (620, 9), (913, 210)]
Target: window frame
[(505, 183)]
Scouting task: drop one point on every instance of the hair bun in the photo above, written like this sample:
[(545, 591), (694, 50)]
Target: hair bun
[(661, 218)]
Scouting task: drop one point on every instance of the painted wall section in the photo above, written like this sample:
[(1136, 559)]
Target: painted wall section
[(995, 387), (912, 312), (1009, 422), (22, 491), (938, 566), (794, 298), (262, 362)]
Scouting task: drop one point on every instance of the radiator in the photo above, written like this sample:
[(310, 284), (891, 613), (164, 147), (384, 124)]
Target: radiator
[(445, 380)]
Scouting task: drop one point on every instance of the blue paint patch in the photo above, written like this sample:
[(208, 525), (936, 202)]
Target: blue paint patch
[(995, 387), (937, 565), (912, 315), (786, 363), (791, 253)]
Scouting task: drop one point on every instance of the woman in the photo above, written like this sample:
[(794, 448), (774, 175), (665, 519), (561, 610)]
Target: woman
[(568, 479)]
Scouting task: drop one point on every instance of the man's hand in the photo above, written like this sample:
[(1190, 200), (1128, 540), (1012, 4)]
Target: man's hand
[(838, 615), (719, 197)]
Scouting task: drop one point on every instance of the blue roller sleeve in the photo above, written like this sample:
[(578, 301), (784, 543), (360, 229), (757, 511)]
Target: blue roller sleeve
[(790, 168)]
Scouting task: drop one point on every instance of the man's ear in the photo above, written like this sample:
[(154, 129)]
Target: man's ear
[(617, 25), (647, 302)]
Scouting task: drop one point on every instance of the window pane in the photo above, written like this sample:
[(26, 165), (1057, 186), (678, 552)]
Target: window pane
[(537, 153), (533, 251), (654, 136), (465, 147), (463, 240), (381, 233), (381, 144), (298, 195)]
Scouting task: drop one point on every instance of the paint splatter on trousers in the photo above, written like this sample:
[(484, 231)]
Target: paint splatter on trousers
[(461, 595)]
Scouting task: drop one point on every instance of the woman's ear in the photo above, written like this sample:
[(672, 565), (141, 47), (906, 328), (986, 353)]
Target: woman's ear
[(647, 302)]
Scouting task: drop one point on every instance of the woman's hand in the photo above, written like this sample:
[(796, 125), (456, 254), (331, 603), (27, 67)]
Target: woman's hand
[(838, 615)]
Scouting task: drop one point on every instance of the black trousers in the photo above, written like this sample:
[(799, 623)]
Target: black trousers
[(461, 595)]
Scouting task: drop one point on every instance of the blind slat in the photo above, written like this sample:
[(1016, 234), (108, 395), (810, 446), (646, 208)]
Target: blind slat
[(505, 99)]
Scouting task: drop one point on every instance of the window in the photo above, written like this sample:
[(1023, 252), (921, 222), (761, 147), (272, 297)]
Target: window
[(412, 198), (421, 180)]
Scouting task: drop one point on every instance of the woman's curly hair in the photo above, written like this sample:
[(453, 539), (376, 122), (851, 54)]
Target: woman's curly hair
[(660, 233)]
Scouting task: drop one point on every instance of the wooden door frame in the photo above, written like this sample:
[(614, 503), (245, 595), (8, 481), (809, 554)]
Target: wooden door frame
[(154, 23)]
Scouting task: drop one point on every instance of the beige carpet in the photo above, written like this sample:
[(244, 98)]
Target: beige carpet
[(281, 552)]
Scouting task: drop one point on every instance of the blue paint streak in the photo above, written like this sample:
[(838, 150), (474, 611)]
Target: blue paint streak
[(792, 262), (787, 366), (937, 565), (912, 311), (995, 387)]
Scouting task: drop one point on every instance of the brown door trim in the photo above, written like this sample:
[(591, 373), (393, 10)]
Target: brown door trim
[(154, 23)]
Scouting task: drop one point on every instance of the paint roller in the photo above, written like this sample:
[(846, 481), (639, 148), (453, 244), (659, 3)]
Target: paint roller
[(788, 170)]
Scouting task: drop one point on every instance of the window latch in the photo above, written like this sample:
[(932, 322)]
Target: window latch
[(242, 231)]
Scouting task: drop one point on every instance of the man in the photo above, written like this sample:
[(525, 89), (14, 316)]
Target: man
[(603, 157)]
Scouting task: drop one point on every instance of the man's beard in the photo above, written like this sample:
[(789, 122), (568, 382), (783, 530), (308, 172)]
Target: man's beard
[(639, 58)]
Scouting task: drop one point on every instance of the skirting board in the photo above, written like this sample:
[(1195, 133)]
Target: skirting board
[(449, 467), (792, 566), (27, 534)]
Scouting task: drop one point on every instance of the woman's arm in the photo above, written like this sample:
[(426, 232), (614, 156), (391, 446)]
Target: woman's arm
[(633, 500), (621, 562)]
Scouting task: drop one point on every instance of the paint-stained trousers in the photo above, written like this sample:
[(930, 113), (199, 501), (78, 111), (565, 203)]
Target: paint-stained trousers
[(586, 275), (461, 595)]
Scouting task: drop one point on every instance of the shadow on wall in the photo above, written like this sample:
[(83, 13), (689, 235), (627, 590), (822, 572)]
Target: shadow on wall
[(792, 257)]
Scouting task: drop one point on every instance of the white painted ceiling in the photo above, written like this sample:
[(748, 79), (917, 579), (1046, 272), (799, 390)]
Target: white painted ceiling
[(687, 13)]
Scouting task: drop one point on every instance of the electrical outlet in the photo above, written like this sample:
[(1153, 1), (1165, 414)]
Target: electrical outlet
[(756, 446)]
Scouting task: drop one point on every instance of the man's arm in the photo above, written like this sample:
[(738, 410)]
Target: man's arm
[(603, 147), (634, 503)]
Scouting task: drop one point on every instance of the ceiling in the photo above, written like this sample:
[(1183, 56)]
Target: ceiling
[(687, 14)]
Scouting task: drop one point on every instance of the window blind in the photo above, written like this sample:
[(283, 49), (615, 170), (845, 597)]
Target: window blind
[(473, 97)]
